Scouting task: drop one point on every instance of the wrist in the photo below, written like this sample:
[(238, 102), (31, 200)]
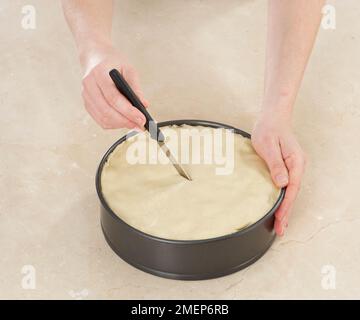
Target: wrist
[(92, 51), (278, 106), (276, 113), (279, 101)]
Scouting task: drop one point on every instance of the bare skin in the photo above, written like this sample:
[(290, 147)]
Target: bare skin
[(292, 29), (90, 21)]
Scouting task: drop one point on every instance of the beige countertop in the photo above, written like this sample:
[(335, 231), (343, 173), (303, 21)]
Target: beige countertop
[(196, 59)]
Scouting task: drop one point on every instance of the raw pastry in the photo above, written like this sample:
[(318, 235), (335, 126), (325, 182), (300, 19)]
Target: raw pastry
[(153, 198)]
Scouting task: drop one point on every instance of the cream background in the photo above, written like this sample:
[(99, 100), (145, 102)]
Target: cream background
[(196, 59)]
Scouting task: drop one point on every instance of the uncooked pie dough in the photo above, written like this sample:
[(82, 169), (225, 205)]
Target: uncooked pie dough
[(153, 198)]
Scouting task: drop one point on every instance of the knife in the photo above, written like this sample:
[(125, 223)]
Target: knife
[(150, 124)]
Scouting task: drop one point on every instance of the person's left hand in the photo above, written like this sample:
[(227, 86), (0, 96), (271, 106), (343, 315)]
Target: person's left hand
[(274, 141)]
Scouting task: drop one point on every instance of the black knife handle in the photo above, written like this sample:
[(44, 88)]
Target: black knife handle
[(125, 89)]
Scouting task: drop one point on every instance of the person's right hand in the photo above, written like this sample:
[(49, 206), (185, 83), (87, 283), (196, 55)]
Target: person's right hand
[(106, 105)]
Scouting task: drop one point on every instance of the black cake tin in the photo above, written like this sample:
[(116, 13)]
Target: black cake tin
[(186, 259)]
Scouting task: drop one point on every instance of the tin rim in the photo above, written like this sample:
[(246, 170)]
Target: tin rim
[(191, 122)]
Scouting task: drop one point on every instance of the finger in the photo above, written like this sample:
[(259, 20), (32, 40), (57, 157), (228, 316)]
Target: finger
[(271, 153), (94, 113), (90, 108), (122, 105), (103, 114), (281, 224), (108, 118), (278, 227), (115, 99), (146, 103), (132, 78), (295, 165)]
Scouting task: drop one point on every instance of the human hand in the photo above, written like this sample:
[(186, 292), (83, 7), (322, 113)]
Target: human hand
[(106, 105), (274, 141)]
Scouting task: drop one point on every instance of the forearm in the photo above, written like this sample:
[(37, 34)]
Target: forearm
[(90, 22), (292, 29)]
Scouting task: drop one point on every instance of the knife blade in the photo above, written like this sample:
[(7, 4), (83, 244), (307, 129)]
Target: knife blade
[(172, 159)]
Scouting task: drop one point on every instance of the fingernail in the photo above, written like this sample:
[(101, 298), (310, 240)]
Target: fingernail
[(140, 121), (138, 129), (281, 179)]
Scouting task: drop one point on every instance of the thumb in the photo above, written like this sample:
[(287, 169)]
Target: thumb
[(131, 76), (140, 94), (276, 165)]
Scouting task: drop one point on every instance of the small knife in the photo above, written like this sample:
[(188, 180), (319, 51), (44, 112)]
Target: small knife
[(124, 88)]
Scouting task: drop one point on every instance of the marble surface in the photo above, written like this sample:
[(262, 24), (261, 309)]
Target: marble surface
[(196, 59)]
